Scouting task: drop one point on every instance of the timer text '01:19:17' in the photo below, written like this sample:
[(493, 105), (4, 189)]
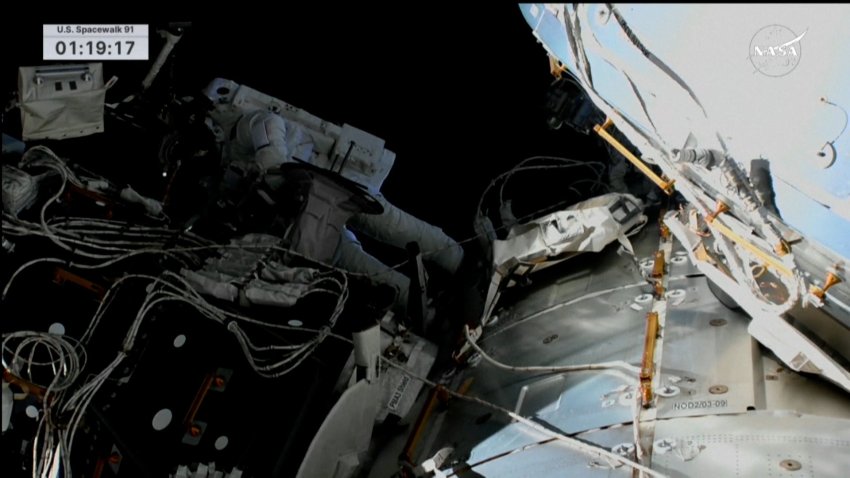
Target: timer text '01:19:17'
[(73, 47)]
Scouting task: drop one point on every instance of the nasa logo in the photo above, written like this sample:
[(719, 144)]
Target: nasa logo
[(775, 50)]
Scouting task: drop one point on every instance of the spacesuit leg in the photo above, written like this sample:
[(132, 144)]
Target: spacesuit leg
[(351, 257), (397, 228)]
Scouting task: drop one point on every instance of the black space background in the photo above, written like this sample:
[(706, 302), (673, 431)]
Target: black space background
[(457, 91)]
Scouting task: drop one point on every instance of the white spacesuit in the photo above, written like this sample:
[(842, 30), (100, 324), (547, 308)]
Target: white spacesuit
[(261, 141)]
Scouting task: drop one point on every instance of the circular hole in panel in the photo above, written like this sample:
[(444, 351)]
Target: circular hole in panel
[(668, 391), (162, 419), (179, 341), (718, 389)]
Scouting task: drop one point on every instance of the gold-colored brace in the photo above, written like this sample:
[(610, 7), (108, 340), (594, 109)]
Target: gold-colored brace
[(556, 68), (647, 366), (721, 208), (782, 248), (831, 280), (767, 258), (658, 265), (664, 231), (664, 184)]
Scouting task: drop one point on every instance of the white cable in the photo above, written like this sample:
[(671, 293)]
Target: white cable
[(617, 364), (110, 258), (71, 362), (566, 163), (25, 266), (509, 173)]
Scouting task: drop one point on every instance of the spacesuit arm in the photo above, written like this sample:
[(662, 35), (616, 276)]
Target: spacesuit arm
[(265, 134), (268, 140)]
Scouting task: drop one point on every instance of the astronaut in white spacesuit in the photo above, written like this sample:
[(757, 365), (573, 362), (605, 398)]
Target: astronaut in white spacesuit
[(261, 141)]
